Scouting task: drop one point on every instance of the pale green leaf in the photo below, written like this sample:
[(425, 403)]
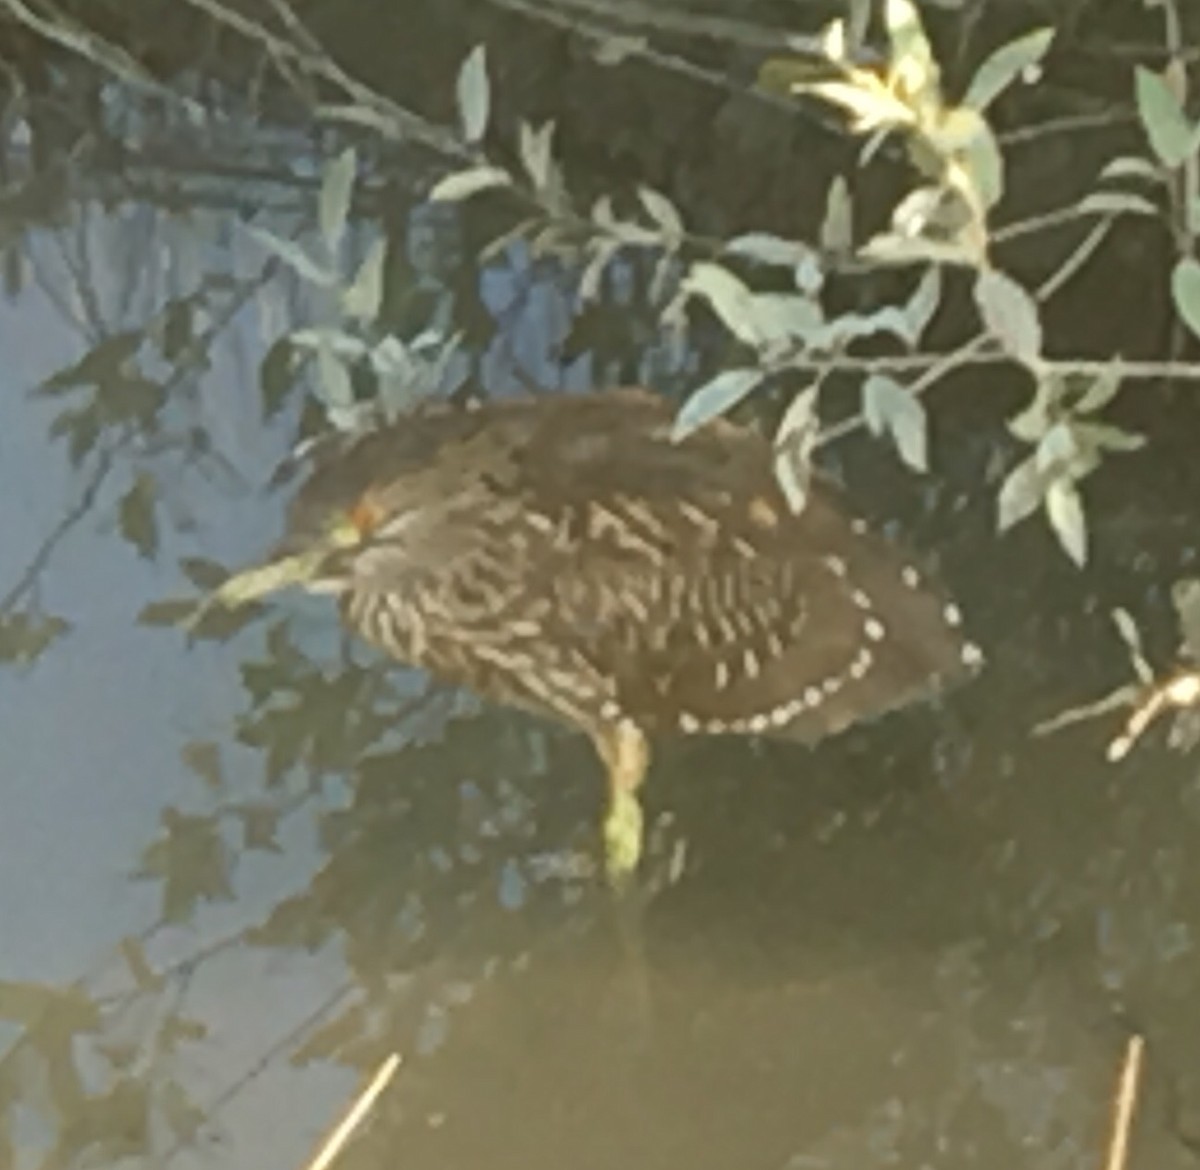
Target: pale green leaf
[(766, 248), (897, 248), (923, 303), (912, 58), (1004, 65), (1171, 136), (837, 226), (1185, 292), (780, 317), (717, 396), (612, 50), (473, 93), (1030, 424), (1010, 314), (335, 385), (855, 326), (1064, 508), (295, 256), (1101, 390), (363, 298), (1058, 449), (729, 297), (1130, 166), (1116, 203), (337, 189), (537, 156), (1020, 494), (890, 407), (919, 210), (463, 184), (869, 107), (985, 164), (1103, 437), (660, 209), (589, 279), (795, 439)]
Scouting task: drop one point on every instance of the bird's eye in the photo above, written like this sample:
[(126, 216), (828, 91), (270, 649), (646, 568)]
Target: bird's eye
[(365, 516)]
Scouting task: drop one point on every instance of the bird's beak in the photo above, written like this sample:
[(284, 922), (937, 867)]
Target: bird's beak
[(286, 568)]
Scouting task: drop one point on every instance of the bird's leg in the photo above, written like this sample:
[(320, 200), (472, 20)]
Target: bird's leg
[(626, 754)]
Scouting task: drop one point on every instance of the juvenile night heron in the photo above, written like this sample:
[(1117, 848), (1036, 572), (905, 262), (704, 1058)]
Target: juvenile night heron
[(564, 554)]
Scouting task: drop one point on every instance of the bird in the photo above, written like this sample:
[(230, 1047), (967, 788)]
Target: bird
[(572, 555)]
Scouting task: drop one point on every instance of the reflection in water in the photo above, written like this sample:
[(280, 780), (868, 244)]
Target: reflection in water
[(921, 944)]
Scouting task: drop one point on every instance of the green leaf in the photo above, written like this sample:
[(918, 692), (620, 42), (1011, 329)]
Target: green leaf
[(612, 49), (1004, 65), (1064, 508), (837, 225), (203, 757), (101, 364), (81, 428), (766, 248), (31, 1004), (25, 637), (1131, 166), (1185, 292), (537, 153), (713, 399), (473, 93), (729, 298), (363, 298), (463, 184), (1058, 450), (138, 523), (911, 55), (896, 248), (1102, 437), (337, 189), (923, 303), (889, 406), (985, 164), (1185, 596), (602, 253), (1101, 390), (781, 317), (1010, 315), (166, 613), (660, 209), (1116, 203), (1020, 494), (296, 257), (131, 397), (1171, 136), (335, 385), (1030, 424), (204, 573), (795, 439)]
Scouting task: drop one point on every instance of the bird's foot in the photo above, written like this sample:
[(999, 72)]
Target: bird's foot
[(622, 837)]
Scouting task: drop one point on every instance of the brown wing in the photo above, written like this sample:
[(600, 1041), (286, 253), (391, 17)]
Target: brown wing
[(682, 577)]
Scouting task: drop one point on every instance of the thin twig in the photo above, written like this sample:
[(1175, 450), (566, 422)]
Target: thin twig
[(28, 578), (344, 1130), (403, 120), (1127, 1094)]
